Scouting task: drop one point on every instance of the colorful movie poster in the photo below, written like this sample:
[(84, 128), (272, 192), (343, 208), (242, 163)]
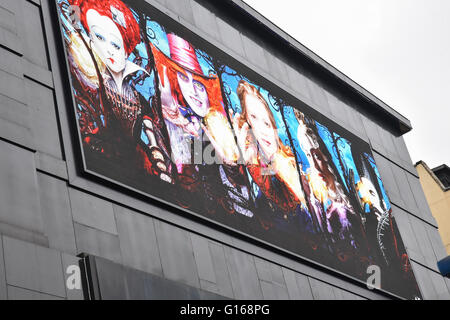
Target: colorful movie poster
[(161, 111)]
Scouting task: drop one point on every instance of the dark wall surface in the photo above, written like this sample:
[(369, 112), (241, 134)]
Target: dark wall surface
[(50, 212)]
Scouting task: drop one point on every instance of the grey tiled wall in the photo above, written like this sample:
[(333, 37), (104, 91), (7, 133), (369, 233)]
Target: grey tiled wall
[(49, 214)]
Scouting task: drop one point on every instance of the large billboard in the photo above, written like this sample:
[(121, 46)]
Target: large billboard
[(163, 112)]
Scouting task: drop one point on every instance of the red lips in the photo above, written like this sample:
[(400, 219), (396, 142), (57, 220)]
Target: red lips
[(112, 60), (198, 101), (267, 142)]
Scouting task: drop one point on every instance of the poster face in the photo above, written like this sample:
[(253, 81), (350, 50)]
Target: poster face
[(161, 111)]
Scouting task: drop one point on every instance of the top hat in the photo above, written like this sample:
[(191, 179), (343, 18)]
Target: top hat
[(183, 53)]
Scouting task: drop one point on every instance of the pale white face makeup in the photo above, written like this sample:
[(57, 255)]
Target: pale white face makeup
[(261, 125), (371, 193), (194, 93), (107, 41)]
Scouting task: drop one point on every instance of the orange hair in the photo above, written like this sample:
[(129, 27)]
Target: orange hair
[(212, 84)]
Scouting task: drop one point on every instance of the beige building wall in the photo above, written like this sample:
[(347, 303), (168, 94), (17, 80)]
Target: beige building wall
[(439, 200)]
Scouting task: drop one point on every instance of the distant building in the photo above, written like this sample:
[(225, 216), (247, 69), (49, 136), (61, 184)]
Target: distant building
[(436, 185)]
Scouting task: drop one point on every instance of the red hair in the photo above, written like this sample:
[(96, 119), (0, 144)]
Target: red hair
[(130, 32)]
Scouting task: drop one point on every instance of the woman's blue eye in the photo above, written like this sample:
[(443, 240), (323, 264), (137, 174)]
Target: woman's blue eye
[(100, 37), (115, 46)]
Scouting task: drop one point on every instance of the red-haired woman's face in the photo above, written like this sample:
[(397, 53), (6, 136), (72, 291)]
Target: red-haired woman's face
[(194, 93), (107, 41), (261, 125)]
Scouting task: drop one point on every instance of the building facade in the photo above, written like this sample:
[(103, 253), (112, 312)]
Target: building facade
[(57, 213), (436, 185)]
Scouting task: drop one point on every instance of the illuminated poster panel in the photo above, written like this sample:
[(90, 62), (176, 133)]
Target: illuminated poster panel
[(162, 112)]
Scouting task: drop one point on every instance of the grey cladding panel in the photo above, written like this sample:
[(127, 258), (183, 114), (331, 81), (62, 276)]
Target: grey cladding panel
[(273, 291), (11, 63), (14, 111), (402, 151), (388, 178), (447, 281), (407, 233), (298, 82), (15, 120), (321, 290), (423, 241), (338, 109), (33, 267), (339, 293), (34, 45), (3, 292), (442, 292), (182, 8), (243, 275), (405, 190), (38, 73), (7, 20), (346, 116), (436, 242), (223, 279), (203, 258), (357, 123), (272, 280), (205, 20), (318, 97), (177, 254), (350, 296), (92, 211), (98, 243), (10, 26), (420, 199), (388, 144), (269, 272), (19, 196), (16, 133), (138, 242), (56, 213), (15, 293), (43, 118), (230, 37), (277, 68), (424, 281), (374, 136), (298, 285), (12, 86), (263, 269), (51, 165), (255, 53)]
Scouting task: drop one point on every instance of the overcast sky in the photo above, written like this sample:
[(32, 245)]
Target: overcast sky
[(398, 50)]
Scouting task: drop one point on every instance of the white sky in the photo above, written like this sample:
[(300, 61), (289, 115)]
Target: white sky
[(397, 49)]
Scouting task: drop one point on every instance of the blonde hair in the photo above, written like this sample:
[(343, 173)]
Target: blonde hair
[(244, 88)]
